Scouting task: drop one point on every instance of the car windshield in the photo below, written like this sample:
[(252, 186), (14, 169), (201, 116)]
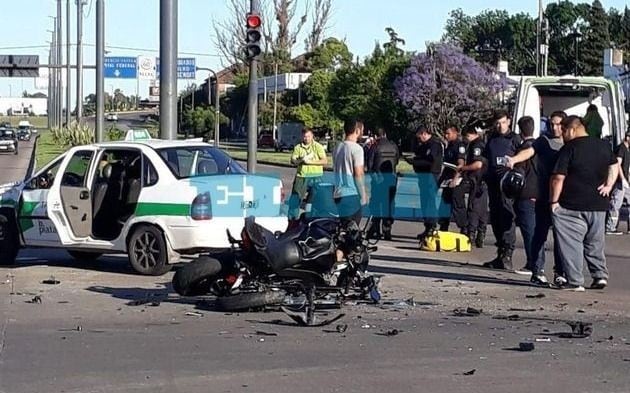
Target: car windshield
[(195, 161)]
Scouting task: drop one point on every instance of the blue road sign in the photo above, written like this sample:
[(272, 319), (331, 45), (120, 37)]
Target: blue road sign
[(121, 67), (186, 68)]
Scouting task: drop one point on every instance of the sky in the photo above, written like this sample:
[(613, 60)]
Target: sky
[(135, 24)]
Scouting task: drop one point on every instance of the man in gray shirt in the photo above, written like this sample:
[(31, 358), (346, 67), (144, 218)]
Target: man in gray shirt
[(348, 166)]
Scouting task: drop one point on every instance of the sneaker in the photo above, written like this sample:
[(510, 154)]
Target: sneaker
[(540, 280), (525, 271), (614, 233), (572, 288), (559, 280), (599, 283)]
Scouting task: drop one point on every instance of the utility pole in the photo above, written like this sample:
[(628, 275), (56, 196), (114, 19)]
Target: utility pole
[(217, 111), (68, 75), (252, 103), (80, 4), (168, 69), (275, 104), (52, 78), (50, 89), (59, 61), (539, 38), (100, 72)]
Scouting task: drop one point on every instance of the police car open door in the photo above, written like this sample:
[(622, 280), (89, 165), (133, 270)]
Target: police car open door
[(69, 199)]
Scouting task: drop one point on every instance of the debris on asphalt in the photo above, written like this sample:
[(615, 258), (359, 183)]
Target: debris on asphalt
[(194, 314), (536, 296), (611, 338), (36, 300), (79, 328), (543, 340), (308, 317), (261, 333), (390, 333), (51, 281), (365, 326), (468, 312), (341, 328), (471, 372), (526, 346), (522, 309), (581, 328)]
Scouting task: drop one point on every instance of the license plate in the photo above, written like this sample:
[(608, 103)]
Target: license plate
[(249, 204)]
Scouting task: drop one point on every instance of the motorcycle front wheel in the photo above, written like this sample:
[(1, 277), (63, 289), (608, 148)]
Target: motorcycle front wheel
[(196, 277)]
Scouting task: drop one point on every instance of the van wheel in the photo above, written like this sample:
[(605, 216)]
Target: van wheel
[(147, 251), (84, 256), (9, 245)]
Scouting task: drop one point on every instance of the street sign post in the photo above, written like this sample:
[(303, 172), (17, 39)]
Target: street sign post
[(19, 66), (121, 67), (186, 68)]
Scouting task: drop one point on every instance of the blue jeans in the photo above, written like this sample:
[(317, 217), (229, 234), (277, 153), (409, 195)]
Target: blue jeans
[(525, 210)]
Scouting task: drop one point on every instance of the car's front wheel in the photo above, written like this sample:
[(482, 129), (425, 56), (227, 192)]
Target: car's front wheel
[(147, 251)]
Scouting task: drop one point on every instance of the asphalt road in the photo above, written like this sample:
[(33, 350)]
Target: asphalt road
[(105, 329), (125, 121)]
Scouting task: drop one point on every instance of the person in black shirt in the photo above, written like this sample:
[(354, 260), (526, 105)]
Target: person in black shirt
[(472, 219), (545, 152), (585, 173), (525, 204), (503, 142), (427, 164), (381, 164), (454, 154), (621, 191)]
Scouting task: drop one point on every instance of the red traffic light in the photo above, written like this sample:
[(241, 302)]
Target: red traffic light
[(253, 21)]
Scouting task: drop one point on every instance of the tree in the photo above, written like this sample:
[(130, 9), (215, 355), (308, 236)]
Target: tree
[(596, 40), (279, 38), (495, 35), (444, 86), (322, 11), (331, 55)]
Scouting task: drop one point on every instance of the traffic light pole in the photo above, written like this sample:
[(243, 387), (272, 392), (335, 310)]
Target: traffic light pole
[(168, 69), (252, 105), (100, 73)]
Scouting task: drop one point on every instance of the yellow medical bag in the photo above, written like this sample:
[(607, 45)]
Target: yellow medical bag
[(446, 241)]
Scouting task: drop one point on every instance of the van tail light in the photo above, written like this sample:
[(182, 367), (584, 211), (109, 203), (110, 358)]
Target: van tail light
[(201, 208)]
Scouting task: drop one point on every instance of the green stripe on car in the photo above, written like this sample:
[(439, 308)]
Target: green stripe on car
[(162, 209)]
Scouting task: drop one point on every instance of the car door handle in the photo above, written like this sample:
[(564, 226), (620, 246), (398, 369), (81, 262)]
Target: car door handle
[(84, 195), (74, 207)]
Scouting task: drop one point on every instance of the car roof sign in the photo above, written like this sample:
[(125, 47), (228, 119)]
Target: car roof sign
[(138, 135)]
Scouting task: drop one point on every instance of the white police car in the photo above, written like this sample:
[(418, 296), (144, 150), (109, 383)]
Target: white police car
[(152, 199)]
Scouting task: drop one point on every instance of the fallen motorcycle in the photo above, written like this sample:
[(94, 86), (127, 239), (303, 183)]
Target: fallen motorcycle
[(298, 269)]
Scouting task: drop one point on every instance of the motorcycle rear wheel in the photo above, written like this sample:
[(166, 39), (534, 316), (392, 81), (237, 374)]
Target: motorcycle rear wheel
[(250, 300), (196, 277)]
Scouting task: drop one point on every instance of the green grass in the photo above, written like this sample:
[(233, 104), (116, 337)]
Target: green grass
[(47, 150), (39, 122), (285, 157)]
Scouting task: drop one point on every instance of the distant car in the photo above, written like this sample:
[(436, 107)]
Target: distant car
[(24, 133), (111, 117), (266, 140), (8, 140)]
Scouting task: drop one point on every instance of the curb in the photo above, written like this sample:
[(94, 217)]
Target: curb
[(32, 165)]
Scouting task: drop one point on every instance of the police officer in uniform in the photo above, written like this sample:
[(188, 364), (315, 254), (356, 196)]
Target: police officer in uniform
[(382, 161), (503, 142), (454, 154), (427, 164), (472, 219)]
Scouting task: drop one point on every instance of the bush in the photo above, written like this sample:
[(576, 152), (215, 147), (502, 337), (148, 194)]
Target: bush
[(74, 135), (115, 134)]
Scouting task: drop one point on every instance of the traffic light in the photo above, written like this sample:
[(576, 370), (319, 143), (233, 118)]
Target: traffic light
[(252, 48)]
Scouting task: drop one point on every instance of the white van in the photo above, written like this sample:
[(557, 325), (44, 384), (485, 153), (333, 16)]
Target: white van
[(540, 96)]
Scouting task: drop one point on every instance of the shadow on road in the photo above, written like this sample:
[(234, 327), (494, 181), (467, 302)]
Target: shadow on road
[(448, 276), (108, 264), (152, 297)]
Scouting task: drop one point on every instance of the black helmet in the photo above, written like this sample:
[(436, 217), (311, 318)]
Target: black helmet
[(512, 184)]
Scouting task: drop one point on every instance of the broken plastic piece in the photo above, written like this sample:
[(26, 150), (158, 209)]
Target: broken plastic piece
[(526, 346)]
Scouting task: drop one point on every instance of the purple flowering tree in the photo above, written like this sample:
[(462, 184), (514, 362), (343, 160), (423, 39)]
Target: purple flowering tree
[(444, 86)]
